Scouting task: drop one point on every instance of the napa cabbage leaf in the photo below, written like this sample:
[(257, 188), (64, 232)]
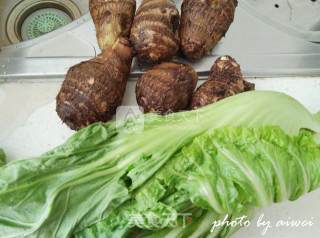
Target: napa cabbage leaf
[(100, 175)]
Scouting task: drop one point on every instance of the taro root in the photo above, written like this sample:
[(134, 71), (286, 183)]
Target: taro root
[(92, 90), (154, 33), (166, 88), (225, 80), (203, 24), (112, 19)]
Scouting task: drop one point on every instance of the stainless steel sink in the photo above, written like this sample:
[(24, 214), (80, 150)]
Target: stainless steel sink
[(268, 38)]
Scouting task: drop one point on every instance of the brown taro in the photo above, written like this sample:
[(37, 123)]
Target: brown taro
[(203, 24), (166, 88), (92, 90), (112, 19), (225, 80), (154, 33)]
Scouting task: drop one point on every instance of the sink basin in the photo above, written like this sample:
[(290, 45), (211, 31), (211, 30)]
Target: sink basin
[(268, 38)]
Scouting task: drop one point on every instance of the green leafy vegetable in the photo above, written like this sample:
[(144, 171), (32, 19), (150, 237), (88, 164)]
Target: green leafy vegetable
[(226, 171), (318, 116), (101, 174), (2, 157)]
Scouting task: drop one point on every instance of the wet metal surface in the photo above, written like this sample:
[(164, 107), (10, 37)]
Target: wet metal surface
[(266, 38)]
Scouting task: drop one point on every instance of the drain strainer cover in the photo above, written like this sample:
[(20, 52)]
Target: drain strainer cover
[(43, 21)]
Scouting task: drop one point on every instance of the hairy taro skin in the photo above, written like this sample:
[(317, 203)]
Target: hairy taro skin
[(154, 33), (203, 24), (225, 80), (112, 19), (92, 90), (166, 88)]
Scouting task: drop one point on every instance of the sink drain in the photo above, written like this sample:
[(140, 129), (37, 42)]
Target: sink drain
[(28, 19), (43, 21)]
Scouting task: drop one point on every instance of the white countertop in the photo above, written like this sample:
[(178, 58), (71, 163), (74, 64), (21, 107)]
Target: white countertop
[(29, 126)]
